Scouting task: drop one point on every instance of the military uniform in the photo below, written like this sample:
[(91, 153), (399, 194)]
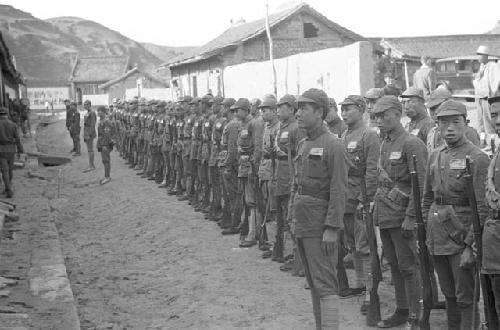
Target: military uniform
[(421, 123), (394, 205), (319, 192), (362, 148), (74, 128), (105, 144), (10, 143), (448, 213), (215, 181), (89, 134)]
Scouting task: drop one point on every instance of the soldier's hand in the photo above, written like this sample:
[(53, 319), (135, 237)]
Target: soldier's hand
[(407, 227), (467, 258), (329, 243)]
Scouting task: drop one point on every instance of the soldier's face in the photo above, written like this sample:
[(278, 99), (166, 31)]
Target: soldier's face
[(308, 115), (495, 110), (86, 106), (351, 114), (241, 114), (268, 114), (369, 104), (388, 120), (452, 128), (285, 112), (412, 106)]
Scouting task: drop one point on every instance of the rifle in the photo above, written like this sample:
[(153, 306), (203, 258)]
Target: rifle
[(480, 280), (373, 314), (263, 238), (493, 147), (423, 253)]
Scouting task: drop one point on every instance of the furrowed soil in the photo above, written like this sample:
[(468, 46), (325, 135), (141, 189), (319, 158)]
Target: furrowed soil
[(139, 259)]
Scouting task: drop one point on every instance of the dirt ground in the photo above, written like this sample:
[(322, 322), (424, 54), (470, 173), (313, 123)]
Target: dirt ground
[(139, 259)]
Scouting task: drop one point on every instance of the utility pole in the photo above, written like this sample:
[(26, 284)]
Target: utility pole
[(271, 58)]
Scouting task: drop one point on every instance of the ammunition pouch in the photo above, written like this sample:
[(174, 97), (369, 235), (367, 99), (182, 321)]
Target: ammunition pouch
[(446, 216)]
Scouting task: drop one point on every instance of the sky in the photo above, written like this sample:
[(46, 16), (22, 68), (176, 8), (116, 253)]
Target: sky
[(195, 22)]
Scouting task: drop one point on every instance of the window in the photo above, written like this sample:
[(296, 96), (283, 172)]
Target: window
[(310, 30), (195, 87)]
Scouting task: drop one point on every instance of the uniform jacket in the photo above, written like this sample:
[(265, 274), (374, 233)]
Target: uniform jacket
[(320, 184), (491, 231), (268, 149), (445, 204), (394, 196), (420, 126), (9, 136), (216, 140), (104, 133), (425, 79), (229, 147), (89, 122)]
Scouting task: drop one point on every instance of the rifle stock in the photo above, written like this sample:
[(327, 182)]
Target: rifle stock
[(373, 315), (480, 280), (423, 253)]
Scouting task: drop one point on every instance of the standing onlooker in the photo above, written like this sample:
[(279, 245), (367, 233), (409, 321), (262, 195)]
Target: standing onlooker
[(89, 133), (74, 128), (486, 84), (425, 77), (9, 141), (69, 113), (105, 142)]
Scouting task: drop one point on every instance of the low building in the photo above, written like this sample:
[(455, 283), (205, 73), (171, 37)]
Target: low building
[(136, 83), (90, 72), (404, 53), (54, 93), (10, 79), (299, 29)]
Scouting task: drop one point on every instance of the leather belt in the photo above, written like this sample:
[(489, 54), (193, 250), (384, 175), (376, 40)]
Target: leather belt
[(313, 193), (455, 201)]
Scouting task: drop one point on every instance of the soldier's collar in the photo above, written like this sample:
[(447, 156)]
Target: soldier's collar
[(392, 136), (459, 143), (317, 132)]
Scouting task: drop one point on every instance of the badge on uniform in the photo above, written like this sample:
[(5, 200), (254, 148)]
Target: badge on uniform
[(284, 135), (218, 125), (352, 145), (457, 164), (395, 155), (316, 152), (244, 132), (415, 131), (189, 121), (195, 124), (207, 124)]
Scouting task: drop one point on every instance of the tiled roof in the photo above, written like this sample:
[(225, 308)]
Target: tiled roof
[(99, 68), (128, 74), (246, 31), (442, 46)]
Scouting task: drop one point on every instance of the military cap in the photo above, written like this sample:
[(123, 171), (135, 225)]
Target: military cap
[(387, 102), (162, 104), (437, 97), (413, 92), (242, 103), (256, 102), (194, 100), (494, 99), (101, 108), (218, 99), (73, 103), (207, 99), (87, 102), (374, 93), (356, 100), (4, 111), (288, 99), (268, 101), (315, 96), (483, 50), (186, 98), (451, 108), (229, 101)]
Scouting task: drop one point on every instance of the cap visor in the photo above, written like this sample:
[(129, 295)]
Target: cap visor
[(445, 113), (302, 99)]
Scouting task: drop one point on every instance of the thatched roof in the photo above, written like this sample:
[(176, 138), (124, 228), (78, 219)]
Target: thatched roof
[(246, 31), (441, 46), (99, 69), (130, 73)]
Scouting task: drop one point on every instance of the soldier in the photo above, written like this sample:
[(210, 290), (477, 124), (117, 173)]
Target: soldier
[(228, 165), (196, 126), (394, 209), (166, 146), (89, 133), (68, 119), (448, 213), (491, 232), (425, 77), (434, 139), (174, 123), (249, 145), (74, 128), (319, 191), (10, 143), (218, 121), (267, 169), (363, 147), (206, 123), (333, 120), (420, 122), (371, 97), (104, 142)]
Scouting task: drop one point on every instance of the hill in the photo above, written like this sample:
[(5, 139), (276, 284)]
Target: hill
[(166, 53)]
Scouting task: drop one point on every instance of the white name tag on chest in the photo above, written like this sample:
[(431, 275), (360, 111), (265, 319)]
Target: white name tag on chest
[(218, 125), (395, 155), (457, 164), (352, 145), (415, 131), (316, 152), (284, 135)]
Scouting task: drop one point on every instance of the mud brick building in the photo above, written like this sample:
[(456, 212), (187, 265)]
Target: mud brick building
[(297, 30), (10, 79)]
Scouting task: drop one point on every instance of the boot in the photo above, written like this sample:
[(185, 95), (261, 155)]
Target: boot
[(453, 314), (466, 314), (399, 317), (329, 312)]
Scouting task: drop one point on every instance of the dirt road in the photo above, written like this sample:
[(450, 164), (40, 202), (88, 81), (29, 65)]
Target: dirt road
[(139, 259)]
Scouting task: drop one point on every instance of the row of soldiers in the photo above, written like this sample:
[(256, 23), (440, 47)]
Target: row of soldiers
[(244, 163)]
